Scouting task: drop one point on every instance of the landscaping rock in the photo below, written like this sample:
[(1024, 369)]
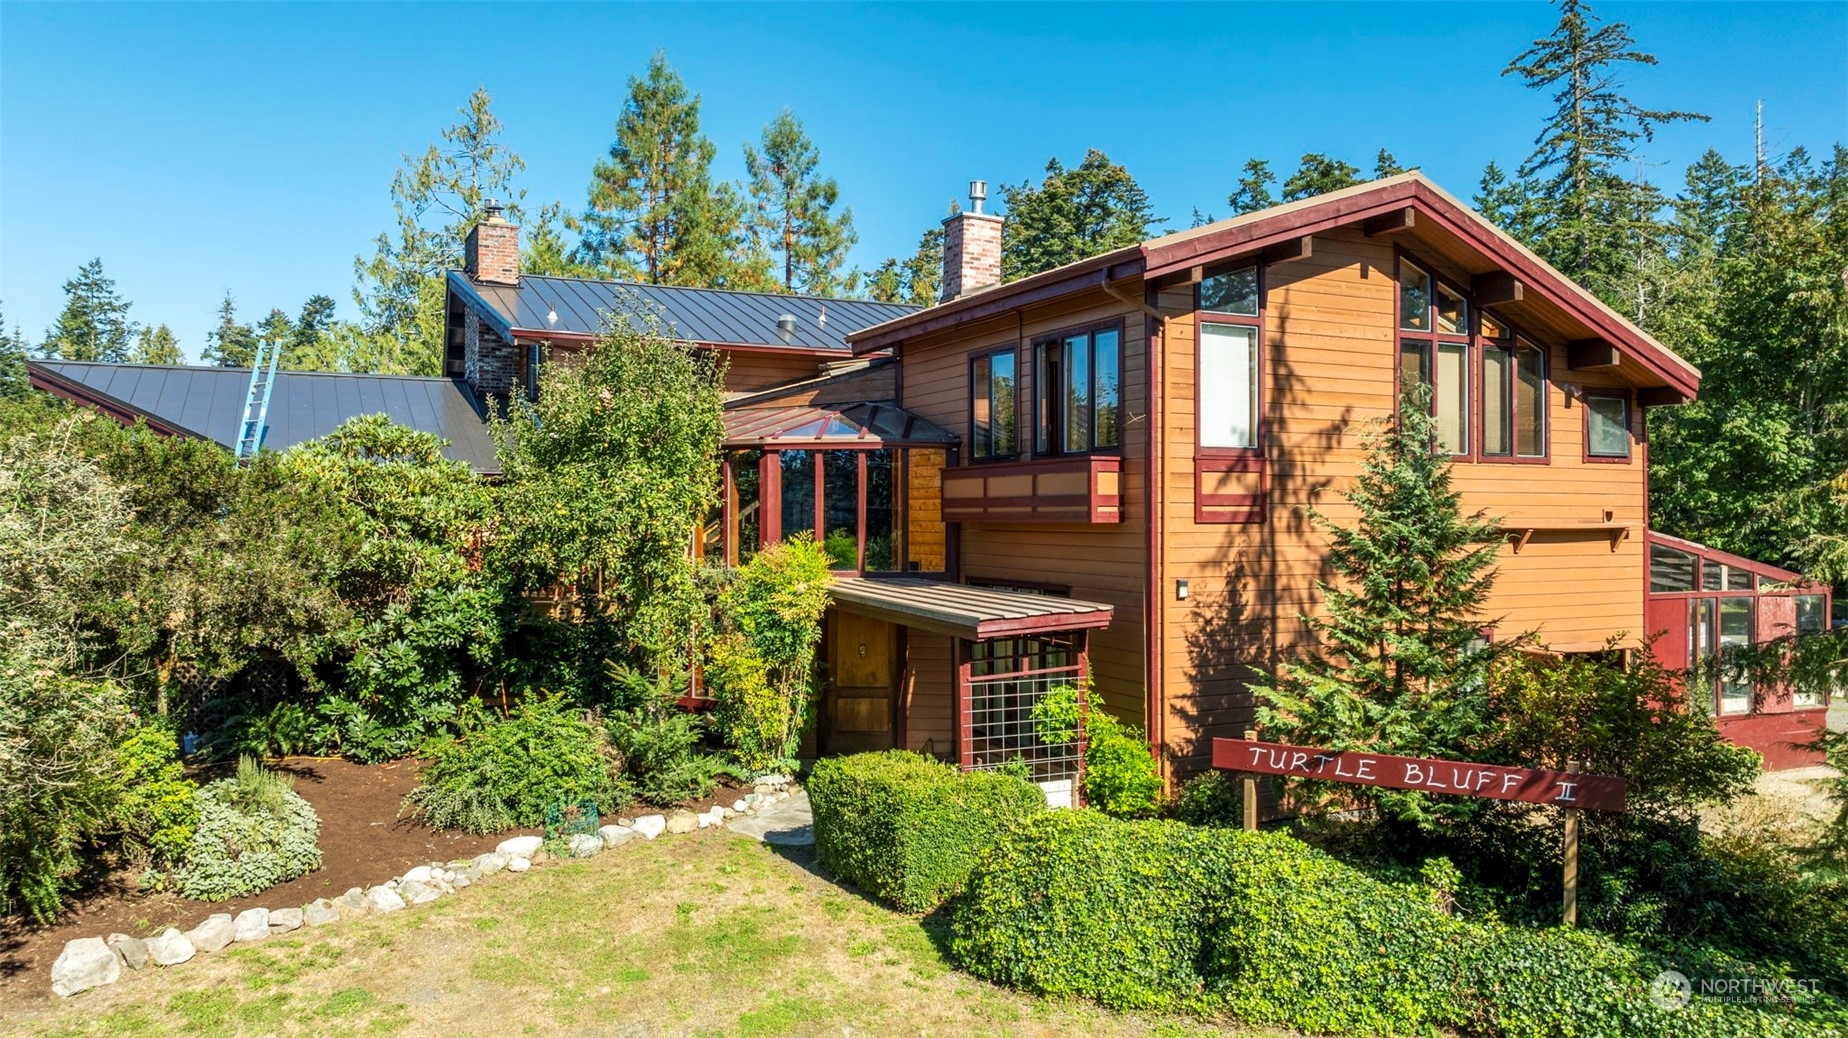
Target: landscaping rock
[(772, 780), (683, 822), (252, 924), (490, 863), (84, 963), (170, 947), (133, 950), (420, 874), (762, 790), (352, 904), (741, 806), (585, 845), (213, 934), (412, 892), (282, 920), (650, 826), (615, 835), (625, 823), (520, 847), (461, 883), (519, 865), (383, 899), (320, 912)]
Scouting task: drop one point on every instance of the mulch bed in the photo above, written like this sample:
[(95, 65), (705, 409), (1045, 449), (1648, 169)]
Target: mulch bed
[(363, 842)]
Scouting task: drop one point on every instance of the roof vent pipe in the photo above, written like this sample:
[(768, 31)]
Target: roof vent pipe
[(978, 193), (491, 208), (786, 327)]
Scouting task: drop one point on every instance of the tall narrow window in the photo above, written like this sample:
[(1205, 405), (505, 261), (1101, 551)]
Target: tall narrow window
[(1735, 635), (991, 397), (1497, 400), (1077, 389), (1513, 399), (1228, 385), (1530, 401), (1811, 619), (798, 482), (1452, 397), (1435, 351), (840, 507), (1607, 426)]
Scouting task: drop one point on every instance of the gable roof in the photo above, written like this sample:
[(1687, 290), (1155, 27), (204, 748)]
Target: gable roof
[(208, 403), (566, 309), (1174, 255)]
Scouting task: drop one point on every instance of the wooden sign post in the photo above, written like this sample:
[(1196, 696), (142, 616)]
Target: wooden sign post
[(1568, 789)]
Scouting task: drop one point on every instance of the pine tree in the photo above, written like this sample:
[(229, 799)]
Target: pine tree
[(793, 208), (94, 324), (1072, 214), (276, 334), (1509, 204), (232, 344), (1401, 666), (1318, 174), (544, 249), (156, 345), (917, 279), (436, 199), (1385, 165), (1595, 221), (15, 383), (655, 214), (1254, 189)]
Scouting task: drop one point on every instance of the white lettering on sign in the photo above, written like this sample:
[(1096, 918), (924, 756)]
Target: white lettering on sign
[(1565, 791)]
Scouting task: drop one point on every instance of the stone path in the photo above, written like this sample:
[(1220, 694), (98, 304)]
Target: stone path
[(787, 823)]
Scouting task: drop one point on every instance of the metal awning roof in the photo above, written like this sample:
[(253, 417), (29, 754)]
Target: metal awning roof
[(962, 611), (844, 425)]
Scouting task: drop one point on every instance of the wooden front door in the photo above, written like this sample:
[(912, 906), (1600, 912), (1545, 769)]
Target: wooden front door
[(860, 711)]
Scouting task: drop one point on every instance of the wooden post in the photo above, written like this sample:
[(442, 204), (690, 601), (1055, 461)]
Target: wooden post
[(1572, 851), (1251, 790)]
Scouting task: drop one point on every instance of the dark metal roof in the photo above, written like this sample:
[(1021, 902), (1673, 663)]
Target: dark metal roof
[(847, 425), (709, 316), (962, 611), (209, 402)]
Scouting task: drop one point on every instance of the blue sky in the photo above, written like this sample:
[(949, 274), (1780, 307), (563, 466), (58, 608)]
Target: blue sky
[(200, 148)]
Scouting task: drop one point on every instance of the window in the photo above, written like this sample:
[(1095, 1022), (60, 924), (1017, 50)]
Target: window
[(1607, 426), (991, 399), (1811, 619), (1735, 634), (1228, 370), (849, 498), (532, 370), (1513, 399), (1670, 569), (798, 484), (1077, 392), (1439, 358)]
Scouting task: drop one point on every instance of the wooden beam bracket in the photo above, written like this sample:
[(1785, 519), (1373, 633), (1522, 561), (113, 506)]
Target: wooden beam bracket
[(1496, 288), (1390, 223), (1585, 354), (1286, 251)]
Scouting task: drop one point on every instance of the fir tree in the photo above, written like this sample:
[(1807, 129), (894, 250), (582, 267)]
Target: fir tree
[(15, 383), (156, 345), (792, 205), (1385, 165), (917, 279), (544, 249), (1401, 666), (94, 325), (1509, 204), (436, 200), (1072, 214), (655, 214), (232, 344), (1318, 174), (1254, 189)]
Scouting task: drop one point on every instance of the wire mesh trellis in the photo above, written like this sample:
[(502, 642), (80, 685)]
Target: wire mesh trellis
[(1002, 726)]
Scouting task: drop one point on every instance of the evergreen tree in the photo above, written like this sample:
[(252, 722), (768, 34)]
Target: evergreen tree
[(655, 214), (156, 345), (544, 249), (15, 384), (436, 200), (1594, 221), (277, 333), (1509, 204), (1401, 666), (1318, 174), (1385, 165), (917, 280), (793, 208), (94, 324), (232, 344), (1254, 189), (1072, 214)]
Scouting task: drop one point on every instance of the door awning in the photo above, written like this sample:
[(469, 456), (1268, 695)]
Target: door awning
[(840, 425), (962, 611)]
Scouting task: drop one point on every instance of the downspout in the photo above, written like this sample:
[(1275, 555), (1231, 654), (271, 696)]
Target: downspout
[(1155, 492)]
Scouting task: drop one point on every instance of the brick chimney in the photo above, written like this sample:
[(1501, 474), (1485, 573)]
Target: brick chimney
[(971, 247), (492, 255)]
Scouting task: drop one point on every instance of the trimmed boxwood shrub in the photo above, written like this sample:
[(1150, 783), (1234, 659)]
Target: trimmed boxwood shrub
[(1160, 915), (908, 829)]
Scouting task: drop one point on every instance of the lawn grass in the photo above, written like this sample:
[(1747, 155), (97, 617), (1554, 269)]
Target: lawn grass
[(708, 934)]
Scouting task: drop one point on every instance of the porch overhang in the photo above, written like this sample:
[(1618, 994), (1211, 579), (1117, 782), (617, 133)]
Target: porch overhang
[(859, 425), (963, 611)]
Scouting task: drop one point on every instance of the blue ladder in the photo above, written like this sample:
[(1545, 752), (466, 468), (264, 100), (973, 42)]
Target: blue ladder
[(256, 402)]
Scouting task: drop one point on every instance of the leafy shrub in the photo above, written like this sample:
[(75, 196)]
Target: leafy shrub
[(156, 808), (906, 828), (253, 833), (1121, 777), (659, 742), (1157, 914), (764, 673), (1214, 798), (501, 773)]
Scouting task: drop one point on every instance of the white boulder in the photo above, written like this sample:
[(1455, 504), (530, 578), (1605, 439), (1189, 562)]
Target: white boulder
[(520, 847), (519, 865), (133, 950), (213, 934), (252, 924), (170, 947), (651, 826), (415, 893), (383, 899), (585, 845), (615, 835), (84, 963), (420, 874), (320, 912), (282, 920)]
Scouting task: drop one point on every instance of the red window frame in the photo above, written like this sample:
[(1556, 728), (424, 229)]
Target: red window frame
[(1010, 350), (1055, 437), (1630, 439), (1255, 322)]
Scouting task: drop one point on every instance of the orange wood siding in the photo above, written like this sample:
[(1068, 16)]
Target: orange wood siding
[(924, 529), (1329, 349), (929, 688), (1099, 562), (747, 372)]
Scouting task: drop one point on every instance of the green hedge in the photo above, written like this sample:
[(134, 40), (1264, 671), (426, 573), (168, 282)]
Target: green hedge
[(908, 829), (1161, 915)]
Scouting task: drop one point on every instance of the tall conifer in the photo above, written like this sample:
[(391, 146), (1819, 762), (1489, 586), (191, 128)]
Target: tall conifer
[(793, 215), (94, 324)]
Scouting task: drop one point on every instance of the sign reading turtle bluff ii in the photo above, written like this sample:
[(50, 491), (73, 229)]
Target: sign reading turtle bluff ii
[(1457, 778)]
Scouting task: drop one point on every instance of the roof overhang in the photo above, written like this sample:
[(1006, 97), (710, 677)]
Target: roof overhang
[(1763, 569), (43, 378), (962, 611), (843, 426)]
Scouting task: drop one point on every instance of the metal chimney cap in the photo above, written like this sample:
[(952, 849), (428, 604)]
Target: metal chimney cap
[(978, 193), (786, 327), (491, 208)]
